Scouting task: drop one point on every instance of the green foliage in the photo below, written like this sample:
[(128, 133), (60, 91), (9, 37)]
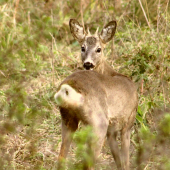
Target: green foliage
[(151, 144), (37, 51), (85, 144), (165, 125)]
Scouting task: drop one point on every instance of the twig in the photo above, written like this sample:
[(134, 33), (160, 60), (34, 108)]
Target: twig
[(2, 73), (52, 61), (158, 16), (29, 19), (144, 13), (166, 16), (142, 87), (15, 12), (81, 12), (146, 167)]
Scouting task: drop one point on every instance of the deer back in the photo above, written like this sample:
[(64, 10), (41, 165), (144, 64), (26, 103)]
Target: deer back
[(103, 95)]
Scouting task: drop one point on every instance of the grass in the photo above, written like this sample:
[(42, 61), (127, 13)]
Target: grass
[(37, 52)]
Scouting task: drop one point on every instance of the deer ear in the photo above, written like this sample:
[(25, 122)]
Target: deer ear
[(108, 32), (77, 30)]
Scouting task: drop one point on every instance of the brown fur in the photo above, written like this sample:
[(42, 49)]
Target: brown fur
[(92, 42), (110, 98), (109, 107), (120, 95)]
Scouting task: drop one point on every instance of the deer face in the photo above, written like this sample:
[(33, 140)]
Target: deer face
[(92, 46), (91, 52)]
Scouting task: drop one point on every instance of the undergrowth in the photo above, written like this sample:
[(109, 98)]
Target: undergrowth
[(37, 52)]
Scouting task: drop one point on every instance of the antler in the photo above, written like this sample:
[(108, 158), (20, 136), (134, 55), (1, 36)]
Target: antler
[(88, 32), (96, 33)]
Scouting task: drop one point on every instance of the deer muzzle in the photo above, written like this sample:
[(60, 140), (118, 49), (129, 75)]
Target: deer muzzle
[(88, 65)]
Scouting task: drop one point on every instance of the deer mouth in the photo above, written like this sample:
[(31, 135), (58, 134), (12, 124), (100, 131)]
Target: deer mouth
[(88, 66)]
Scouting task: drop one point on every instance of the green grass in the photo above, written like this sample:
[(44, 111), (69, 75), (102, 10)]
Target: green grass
[(37, 52)]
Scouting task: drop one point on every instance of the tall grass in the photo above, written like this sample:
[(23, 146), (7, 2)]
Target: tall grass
[(37, 51)]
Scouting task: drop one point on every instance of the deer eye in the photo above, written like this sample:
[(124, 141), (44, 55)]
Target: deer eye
[(98, 50), (82, 49)]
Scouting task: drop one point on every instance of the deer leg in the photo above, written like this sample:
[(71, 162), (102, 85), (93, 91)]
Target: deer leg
[(111, 137), (125, 144), (101, 134), (100, 130), (68, 127), (125, 140)]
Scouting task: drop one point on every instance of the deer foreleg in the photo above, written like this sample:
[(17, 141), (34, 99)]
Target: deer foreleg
[(67, 129), (111, 137)]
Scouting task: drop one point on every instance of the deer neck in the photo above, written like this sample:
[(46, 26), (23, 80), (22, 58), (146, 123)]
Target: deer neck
[(104, 68)]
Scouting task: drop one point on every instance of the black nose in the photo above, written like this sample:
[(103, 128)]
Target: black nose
[(88, 65)]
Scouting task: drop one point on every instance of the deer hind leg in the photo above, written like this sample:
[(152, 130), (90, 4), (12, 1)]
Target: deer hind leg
[(100, 132), (99, 126), (125, 144), (68, 127), (125, 140), (112, 141)]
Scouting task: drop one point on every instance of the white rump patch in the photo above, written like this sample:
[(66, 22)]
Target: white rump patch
[(68, 96)]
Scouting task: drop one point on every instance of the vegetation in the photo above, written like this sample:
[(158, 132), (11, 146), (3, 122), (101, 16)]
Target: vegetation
[(37, 52)]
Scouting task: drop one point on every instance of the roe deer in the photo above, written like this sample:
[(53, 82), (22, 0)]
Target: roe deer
[(108, 104), (92, 46)]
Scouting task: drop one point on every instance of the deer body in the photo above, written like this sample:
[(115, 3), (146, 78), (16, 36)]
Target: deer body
[(107, 104), (98, 96)]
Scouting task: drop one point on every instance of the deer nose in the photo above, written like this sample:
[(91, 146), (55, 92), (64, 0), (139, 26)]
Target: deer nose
[(88, 65)]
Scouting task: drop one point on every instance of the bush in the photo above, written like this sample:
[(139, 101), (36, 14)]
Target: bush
[(37, 51)]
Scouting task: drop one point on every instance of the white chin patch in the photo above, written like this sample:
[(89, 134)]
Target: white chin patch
[(91, 68), (68, 96)]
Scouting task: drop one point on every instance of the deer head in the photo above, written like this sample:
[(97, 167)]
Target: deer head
[(92, 46)]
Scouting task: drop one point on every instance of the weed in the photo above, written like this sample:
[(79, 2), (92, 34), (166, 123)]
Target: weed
[(37, 52)]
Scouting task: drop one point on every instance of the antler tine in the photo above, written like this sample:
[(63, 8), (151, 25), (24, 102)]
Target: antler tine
[(88, 32), (96, 33)]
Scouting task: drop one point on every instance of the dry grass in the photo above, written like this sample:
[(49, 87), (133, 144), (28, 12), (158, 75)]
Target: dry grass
[(37, 52)]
